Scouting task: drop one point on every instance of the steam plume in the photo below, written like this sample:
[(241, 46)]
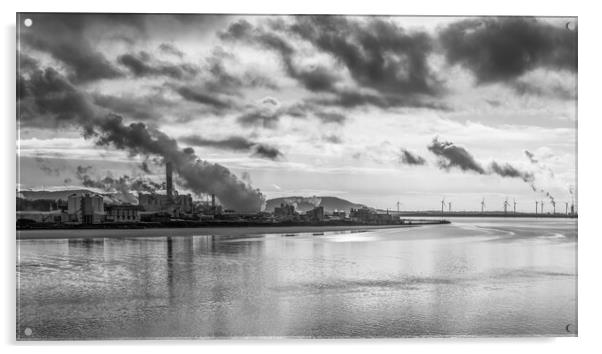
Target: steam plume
[(51, 96)]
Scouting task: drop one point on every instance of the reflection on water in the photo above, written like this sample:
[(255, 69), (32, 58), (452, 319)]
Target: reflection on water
[(473, 277)]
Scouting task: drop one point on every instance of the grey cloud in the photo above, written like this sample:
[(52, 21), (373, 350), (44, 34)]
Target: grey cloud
[(333, 139), (199, 95), (235, 143), (409, 158), (56, 97), (504, 48), (144, 108), (169, 48), (142, 65), (63, 37), (378, 53), (260, 117), (451, 155), (331, 117), (266, 151)]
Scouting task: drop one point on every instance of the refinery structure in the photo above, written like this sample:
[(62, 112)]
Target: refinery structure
[(168, 206)]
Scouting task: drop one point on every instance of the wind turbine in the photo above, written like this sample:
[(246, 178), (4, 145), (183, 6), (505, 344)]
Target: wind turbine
[(506, 205), (442, 205), (514, 205), (397, 207), (483, 205), (566, 208), (449, 207), (541, 203), (536, 206), (553, 206)]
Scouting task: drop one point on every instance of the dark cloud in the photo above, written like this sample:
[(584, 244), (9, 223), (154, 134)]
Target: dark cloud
[(54, 96), (143, 108), (451, 155), (259, 117), (378, 53), (52, 100), (63, 36), (312, 77), (143, 65), (524, 87), (231, 143), (333, 139), (409, 158), (169, 48), (201, 96), (349, 98), (267, 152), (235, 143), (503, 49), (331, 117)]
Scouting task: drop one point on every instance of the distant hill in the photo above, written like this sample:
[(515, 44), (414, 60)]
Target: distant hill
[(63, 193), (303, 204)]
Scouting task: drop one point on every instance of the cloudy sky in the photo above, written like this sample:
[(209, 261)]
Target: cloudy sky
[(371, 109)]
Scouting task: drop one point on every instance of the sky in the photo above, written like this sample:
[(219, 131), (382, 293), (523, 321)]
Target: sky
[(372, 109)]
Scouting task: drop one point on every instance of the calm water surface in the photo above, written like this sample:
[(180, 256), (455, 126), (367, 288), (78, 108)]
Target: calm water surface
[(473, 277)]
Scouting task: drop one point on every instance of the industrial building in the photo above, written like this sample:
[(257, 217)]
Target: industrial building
[(86, 209), (169, 202), (285, 212), (122, 213)]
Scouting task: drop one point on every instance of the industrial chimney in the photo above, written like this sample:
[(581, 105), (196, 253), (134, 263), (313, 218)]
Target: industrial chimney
[(168, 179)]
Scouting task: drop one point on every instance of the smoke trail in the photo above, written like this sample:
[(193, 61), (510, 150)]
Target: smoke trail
[(409, 158), (531, 157), (537, 163), (507, 170), (199, 176), (123, 186), (51, 99), (451, 155)]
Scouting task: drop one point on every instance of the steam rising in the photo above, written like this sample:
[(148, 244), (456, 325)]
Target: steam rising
[(49, 98)]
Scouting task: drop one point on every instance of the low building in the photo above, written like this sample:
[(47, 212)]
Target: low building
[(365, 215), (123, 213), (160, 201)]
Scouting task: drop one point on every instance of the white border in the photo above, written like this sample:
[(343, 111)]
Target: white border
[(589, 172)]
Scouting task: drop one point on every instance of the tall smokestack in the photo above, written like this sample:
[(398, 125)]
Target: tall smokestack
[(213, 203), (168, 179)]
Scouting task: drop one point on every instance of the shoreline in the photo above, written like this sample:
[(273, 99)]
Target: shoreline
[(53, 234)]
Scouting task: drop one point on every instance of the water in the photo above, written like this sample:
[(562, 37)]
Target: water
[(473, 277)]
